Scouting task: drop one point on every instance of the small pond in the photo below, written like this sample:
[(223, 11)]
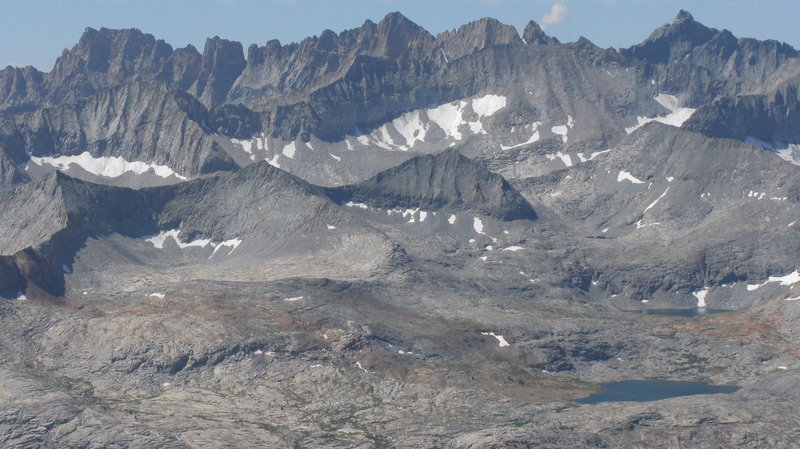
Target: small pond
[(652, 390)]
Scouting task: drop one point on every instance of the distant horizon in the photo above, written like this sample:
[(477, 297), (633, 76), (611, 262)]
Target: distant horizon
[(606, 23)]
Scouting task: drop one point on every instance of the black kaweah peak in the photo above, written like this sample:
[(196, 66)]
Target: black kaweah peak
[(446, 181)]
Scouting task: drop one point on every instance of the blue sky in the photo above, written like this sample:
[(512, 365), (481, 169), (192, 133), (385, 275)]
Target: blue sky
[(34, 32)]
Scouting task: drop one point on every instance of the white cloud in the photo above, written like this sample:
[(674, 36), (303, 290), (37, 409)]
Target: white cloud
[(558, 13)]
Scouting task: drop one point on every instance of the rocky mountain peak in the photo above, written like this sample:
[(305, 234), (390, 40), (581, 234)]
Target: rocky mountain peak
[(328, 40), (687, 41), (105, 58), (106, 50), (20, 86), (219, 49), (223, 62), (270, 53), (673, 41), (476, 36), (396, 19), (398, 37), (683, 16), (182, 68), (684, 26), (534, 35)]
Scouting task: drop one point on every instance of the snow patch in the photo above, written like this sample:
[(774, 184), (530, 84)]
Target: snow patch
[(502, 341), (413, 125), (563, 156), (789, 152), (274, 161), (247, 146), (410, 213), (790, 279), (232, 244), (359, 205), (676, 116), (701, 298), (384, 137), (562, 131), (477, 224), (625, 176), (639, 224), (448, 118), (513, 248), (330, 227), (756, 195), (533, 139), (158, 242), (295, 298), (411, 128), (651, 205), (157, 295), (452, 219), (591, 156), (488, 105), (106, 166), (289, 150), (335, 157)]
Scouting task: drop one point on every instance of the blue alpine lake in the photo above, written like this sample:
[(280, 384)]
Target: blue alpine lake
[(652, 390)]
